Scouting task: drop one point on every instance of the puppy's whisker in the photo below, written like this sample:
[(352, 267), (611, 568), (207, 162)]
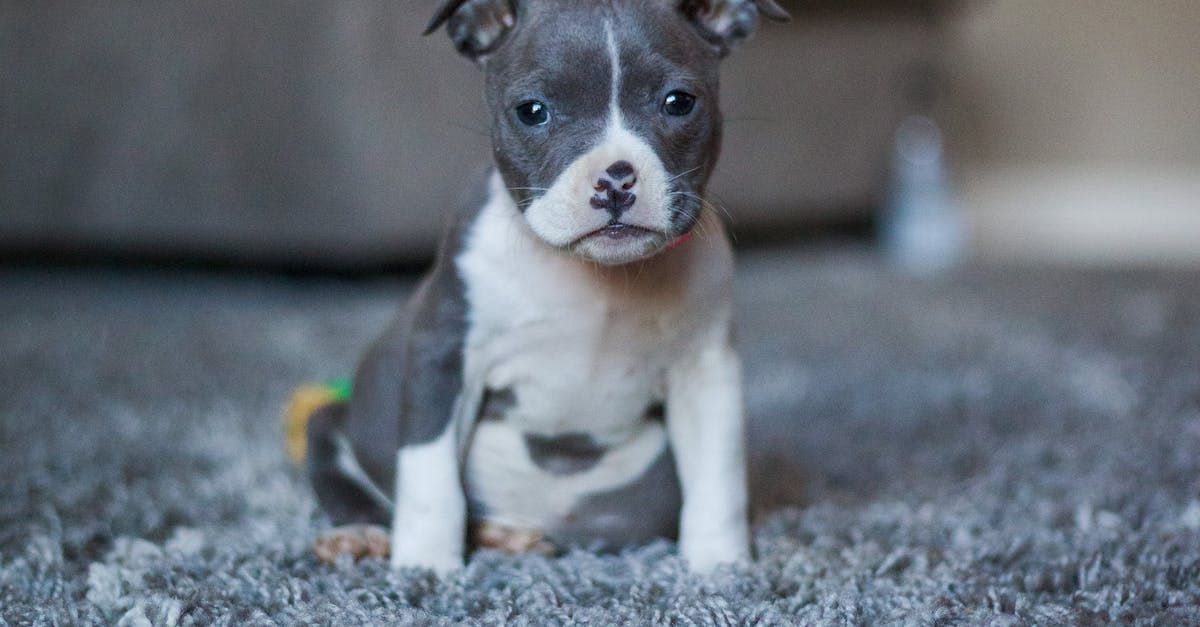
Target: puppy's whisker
[(702, 230), (698, 225), (721, 203), (684, 173), (711, 206), (704, 204)]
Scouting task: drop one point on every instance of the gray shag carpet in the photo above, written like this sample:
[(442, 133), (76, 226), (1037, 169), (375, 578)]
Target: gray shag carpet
[(1004, 446)]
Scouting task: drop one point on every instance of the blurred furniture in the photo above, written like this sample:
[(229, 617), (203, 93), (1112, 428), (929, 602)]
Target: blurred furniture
[(332, 134), (1076, 129)]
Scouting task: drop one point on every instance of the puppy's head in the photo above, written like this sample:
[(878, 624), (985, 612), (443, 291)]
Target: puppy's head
[(605, 123)]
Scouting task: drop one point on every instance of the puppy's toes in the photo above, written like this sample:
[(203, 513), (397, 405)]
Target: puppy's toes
[(357, 541), (493, 535), (378, 542)]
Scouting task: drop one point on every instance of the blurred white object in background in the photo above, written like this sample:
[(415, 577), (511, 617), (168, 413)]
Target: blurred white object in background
[(924, 231)]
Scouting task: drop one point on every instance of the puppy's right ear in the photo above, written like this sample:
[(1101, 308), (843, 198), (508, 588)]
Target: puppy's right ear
[(726, 23), (477, 27)]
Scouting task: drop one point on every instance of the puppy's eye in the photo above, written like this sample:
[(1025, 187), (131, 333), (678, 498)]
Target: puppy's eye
[(533, 113), (678, 103)]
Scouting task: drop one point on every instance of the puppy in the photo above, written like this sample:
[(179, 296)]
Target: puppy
[(564, 375)]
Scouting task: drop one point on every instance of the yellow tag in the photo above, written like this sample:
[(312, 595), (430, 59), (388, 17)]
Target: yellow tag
[(305, 401)]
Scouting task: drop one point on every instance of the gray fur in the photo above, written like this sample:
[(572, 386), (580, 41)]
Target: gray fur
[(557, 55), (342, 494), (497, 403), (564, 454), (646, 509)]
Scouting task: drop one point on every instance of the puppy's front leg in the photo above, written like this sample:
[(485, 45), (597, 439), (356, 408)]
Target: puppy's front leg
[(706, 425), (429, 525)]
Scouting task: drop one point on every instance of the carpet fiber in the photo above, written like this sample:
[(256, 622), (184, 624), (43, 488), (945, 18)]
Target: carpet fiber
[(1006, 446)]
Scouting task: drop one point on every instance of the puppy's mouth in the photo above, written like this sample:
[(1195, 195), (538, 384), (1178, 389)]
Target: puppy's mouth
[(619, 231), (618, 243)]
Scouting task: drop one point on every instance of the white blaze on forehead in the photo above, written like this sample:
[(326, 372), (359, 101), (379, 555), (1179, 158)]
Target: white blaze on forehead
[(614, 93)]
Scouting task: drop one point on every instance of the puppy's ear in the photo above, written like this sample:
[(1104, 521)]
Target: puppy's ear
[(477, 27), (726, 23)]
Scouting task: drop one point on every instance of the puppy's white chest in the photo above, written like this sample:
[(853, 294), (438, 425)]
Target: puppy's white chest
[(576, 347), (577, 366)]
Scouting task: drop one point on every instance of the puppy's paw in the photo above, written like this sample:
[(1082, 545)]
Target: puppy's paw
[(705, 554), (357, 541), (414, 555)]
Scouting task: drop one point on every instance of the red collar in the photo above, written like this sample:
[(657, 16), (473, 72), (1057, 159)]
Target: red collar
[(679, 241)]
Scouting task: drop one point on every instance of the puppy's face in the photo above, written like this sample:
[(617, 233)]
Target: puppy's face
[(605, 126), (605, 122)]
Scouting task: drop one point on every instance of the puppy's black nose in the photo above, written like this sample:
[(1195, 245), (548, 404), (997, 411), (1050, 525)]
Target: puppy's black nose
[(621, 171), (614, 189)]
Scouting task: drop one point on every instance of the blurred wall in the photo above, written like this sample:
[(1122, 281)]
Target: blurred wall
[(1076, 124), (232, 130), (332, 133)]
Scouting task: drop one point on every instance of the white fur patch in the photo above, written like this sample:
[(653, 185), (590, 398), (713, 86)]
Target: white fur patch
[(614, 89), (430, 518), (706, 424)]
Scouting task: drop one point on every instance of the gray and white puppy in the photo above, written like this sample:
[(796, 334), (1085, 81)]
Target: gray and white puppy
[(566, 368)]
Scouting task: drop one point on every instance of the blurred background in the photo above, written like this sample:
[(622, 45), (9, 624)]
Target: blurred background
[(330, 135)]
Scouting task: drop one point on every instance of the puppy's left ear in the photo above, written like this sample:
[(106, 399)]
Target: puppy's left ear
[(477, 27), (726, 23)]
